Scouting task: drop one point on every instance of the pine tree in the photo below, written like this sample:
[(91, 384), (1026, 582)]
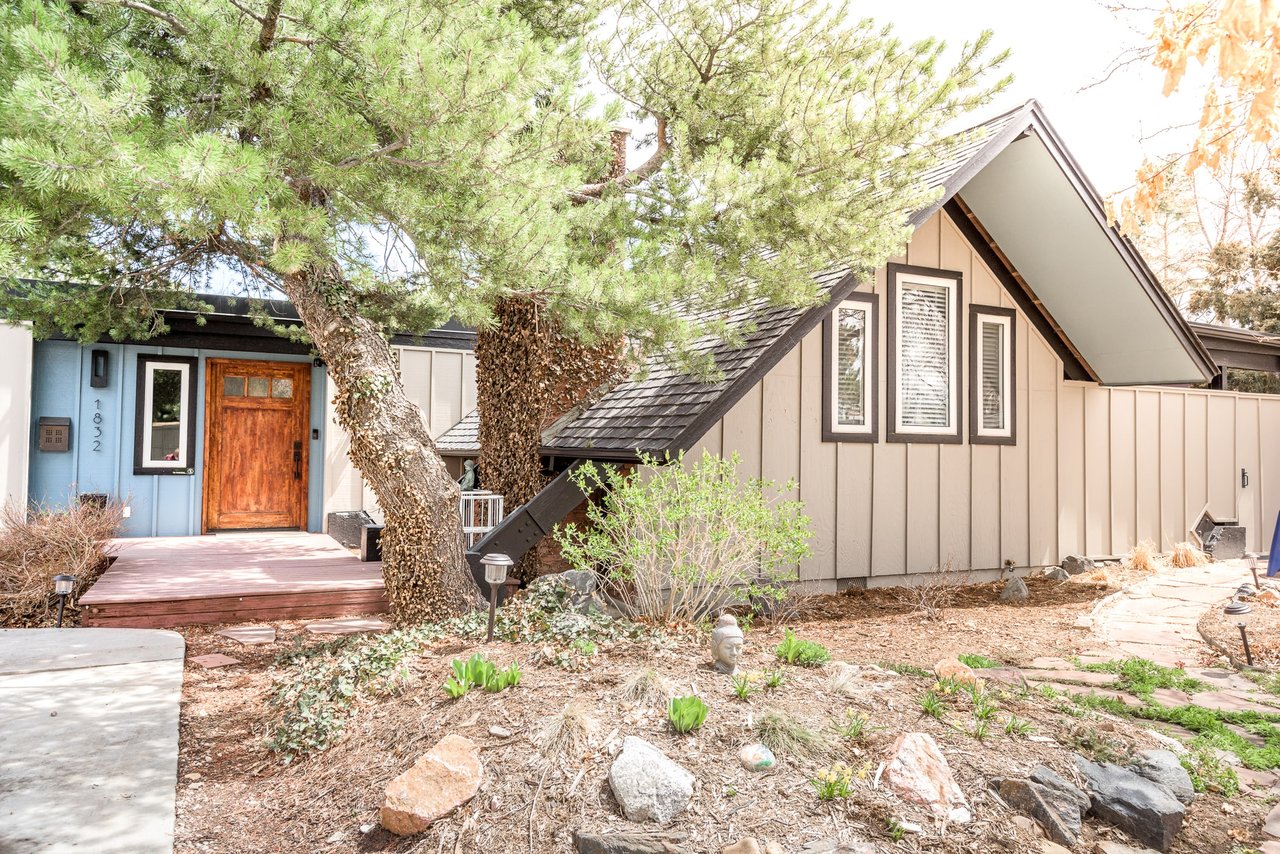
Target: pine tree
[(388, 165)]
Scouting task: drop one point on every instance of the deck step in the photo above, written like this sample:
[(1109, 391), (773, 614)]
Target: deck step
[(234, 609)]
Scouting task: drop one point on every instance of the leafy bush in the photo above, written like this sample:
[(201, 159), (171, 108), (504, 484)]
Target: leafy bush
[(38, 543), (805, 653), (686, 713), (675, 541)]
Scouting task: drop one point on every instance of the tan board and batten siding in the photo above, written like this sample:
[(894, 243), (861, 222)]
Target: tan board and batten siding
[(443, 385), (1095, 469)]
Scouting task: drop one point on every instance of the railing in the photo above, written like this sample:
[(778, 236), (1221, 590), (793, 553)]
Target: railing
[(481, 512)]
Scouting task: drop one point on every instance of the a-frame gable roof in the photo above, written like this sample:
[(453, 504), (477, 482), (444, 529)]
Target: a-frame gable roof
[(661, 411)]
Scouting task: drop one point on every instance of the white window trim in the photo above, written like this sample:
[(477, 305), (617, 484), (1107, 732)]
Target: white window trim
[(867, 427), (183, 422), (952, 287), (1006, 364)]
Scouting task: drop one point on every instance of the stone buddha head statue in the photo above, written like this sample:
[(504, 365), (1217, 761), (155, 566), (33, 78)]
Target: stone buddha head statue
[(726, 644)]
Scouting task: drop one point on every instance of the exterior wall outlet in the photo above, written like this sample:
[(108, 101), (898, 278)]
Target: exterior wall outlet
[(127, 511)]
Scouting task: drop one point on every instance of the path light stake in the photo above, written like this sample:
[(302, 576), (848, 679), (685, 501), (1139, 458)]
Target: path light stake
[(1253, 567), (495, 573), (63, 585), (1244, 638)]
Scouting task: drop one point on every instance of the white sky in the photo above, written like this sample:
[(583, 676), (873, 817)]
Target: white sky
[(1058, 48)]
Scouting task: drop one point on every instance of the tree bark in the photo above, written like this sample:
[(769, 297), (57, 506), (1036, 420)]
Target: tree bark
[(511, 393), (423, 567), (528, 375)]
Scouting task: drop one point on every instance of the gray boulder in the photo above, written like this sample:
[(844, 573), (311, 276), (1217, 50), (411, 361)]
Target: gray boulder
[(1062, 789), (1076, 564), (1015, 590), (1163, 768), (648, 785), (1139, 807), (1053, 802), (628, 843), (1057, 573)]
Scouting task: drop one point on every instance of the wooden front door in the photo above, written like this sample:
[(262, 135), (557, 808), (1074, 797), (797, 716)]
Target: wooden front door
[(257, 417)]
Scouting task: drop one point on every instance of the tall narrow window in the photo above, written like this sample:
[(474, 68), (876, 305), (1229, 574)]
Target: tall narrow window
[(925, 348), (164, 427), (991, 375), (849, 371)]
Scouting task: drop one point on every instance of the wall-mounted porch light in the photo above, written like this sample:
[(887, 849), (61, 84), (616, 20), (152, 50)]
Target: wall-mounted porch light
[(62, 586), (495, 566)]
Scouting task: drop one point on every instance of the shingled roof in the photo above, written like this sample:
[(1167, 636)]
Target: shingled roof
[(660, 410)]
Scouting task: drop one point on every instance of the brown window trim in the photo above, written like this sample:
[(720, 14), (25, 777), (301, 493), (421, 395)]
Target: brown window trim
[(891, 283), (828, 367), (1011, 386)]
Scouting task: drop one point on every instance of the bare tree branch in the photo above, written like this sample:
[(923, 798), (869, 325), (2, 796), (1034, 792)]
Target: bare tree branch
[(138, 6), (634, 176)]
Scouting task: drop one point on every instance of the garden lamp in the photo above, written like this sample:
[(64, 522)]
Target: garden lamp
[(495, 566), (1252, 558), (63, 585)]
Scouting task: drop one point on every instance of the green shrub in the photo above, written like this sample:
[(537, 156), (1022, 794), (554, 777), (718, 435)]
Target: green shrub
[(742, 686), (978, 662), (478, 672), (674, 541), (805, 653), (686, 713)]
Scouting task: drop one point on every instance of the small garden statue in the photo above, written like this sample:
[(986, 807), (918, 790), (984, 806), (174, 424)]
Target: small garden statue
[(470, 477), (726, 644)]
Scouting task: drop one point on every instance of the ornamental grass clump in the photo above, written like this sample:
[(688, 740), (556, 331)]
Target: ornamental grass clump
[(676, 541), (37, 543)]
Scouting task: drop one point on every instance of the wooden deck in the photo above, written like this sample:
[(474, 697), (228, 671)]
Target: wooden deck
[(159, 582)]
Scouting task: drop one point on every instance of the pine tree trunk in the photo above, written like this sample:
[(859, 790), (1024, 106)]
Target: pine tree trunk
[(423, 566)]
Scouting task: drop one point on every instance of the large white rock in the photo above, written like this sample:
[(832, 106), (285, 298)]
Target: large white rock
[(648, 785), (918, 772), (443, 779)]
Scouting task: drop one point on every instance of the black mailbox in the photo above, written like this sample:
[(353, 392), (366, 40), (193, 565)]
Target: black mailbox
[(53, 434)]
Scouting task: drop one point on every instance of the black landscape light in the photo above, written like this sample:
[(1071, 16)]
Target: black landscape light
[(62, 586), (495, 573), (1235, 606), (1244, 639)]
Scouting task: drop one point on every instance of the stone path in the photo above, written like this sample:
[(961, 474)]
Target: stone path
[(1156, 618), (89, 740)]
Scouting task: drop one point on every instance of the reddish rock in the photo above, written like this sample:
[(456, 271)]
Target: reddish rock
[(443, 779), (955, 670), (917, 771)]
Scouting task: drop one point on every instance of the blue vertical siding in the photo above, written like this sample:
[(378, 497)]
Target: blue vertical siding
[(101, 455)]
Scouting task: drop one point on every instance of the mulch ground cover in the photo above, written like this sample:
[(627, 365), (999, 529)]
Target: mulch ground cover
[(237, 796)]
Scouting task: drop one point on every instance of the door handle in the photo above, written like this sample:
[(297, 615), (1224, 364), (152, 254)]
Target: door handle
[(297, 461)]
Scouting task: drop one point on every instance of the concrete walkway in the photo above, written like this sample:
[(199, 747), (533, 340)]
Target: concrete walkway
[(88, 740)]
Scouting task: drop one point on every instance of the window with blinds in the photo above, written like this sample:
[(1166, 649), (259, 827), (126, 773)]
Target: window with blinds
[(992, 366), (926, 370), (850, 367)]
